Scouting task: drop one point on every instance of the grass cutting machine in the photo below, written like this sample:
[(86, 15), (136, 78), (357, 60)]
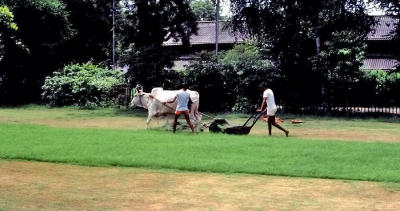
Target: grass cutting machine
[(222, 126)]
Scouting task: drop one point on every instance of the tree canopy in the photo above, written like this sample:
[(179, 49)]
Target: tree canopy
[(7, 26), (147, 25), (51, 33), (203, 9), (92, 23), (288, 32), (313, 49)]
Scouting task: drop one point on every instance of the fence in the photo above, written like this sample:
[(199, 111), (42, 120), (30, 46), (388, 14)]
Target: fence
[(345, 110)]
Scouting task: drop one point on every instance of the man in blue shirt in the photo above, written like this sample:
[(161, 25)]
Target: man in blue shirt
[(183, 98)]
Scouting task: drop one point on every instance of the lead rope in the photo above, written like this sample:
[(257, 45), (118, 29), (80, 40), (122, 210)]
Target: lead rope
[(151, 96)]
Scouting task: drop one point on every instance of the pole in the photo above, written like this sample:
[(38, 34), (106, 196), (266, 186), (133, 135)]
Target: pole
[(216, 27), (113, 29)]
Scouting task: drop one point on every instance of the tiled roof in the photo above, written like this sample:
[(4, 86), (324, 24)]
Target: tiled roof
[(379, 64), (206, 33), (385, 25)]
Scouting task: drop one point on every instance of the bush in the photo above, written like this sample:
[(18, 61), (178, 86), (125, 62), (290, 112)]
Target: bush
[(85, 85), (385, 86)]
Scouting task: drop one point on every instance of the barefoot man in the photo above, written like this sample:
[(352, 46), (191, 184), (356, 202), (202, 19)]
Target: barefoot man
[(182, 107), (268, 98)]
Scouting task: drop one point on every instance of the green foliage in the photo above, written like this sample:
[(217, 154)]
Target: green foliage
[(234, 80), (251, 70), (203, 9), (36, 48), (7, 26), (147, 25), (386, 85), (203, 152), (382, 76), (215, 80), (242, 53), (49, 18), (340, 60), (7, 18), (55, 6), (85, 85), (288, 31)]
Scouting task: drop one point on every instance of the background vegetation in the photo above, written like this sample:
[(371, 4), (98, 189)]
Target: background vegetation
[(85, 85), (40, 37)]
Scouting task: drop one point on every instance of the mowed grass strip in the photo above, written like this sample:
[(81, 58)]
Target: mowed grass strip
[(203, 152)]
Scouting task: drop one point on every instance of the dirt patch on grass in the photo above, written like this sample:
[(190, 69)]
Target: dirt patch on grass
[(32, 185), (336, 130), (348, 135)]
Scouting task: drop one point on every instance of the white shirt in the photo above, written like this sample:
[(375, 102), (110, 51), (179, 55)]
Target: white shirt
[(183, 99), (270, 98)]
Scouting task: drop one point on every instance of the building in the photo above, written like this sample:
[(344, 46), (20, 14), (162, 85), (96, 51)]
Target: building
[(379, 50)]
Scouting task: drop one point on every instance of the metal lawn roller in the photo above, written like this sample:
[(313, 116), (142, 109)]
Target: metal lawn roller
[(246, 127)]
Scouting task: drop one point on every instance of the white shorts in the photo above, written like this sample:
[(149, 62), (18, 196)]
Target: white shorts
[(271, 111)]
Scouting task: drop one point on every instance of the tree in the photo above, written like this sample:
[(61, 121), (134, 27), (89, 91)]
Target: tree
[(148, 23), (92, 23), (203, 9), (341, 59), (250, 69), (7, 26), (289, 30), (233, 79), (42, 28)]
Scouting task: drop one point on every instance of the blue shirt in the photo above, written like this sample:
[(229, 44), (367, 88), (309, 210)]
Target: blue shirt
[(183, 99)]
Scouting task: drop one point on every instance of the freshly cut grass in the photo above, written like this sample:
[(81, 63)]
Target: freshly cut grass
[(203, 152)]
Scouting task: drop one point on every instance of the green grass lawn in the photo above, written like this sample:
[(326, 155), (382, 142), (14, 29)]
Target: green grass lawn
[(203, 152)]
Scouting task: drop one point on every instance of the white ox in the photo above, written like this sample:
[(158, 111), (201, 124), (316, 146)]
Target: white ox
[(153, 102)]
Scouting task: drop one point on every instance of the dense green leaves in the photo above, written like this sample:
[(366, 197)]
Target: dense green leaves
[(52, 33), (203, 9), (288, 30), (385, 85), (7, 18), (340, 60), (43, 27), (234, 80), (84, 85), (7, 26)]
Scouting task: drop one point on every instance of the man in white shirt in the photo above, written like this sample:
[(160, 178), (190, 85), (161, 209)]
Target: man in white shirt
[(269, 100), (183, 98)]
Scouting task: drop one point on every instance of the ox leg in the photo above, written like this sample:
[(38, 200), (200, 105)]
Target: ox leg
[(148, 121), (167, 122)]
